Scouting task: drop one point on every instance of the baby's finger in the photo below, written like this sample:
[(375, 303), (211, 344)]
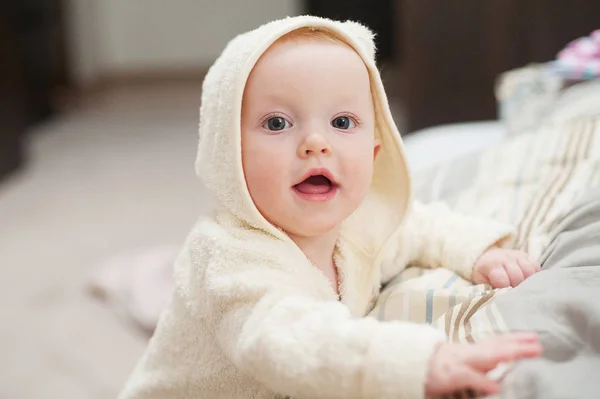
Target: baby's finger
[(498, 278), (488, 355), (520, 337), (480, 278), (515, 274), (536, 266), (467, 378), (519, 350), (524, 339), (527, 267)]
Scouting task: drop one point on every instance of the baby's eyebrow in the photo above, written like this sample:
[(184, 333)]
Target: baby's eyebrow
[(273, 98)]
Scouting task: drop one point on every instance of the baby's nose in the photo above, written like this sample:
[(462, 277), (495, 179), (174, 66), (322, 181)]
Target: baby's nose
[(314, 144)]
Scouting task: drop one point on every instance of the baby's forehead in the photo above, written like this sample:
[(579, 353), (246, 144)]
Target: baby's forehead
[(309, 48), (309, 64)]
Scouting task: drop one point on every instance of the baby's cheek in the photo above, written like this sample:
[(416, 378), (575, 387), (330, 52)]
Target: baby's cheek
[(360, 177), (262, 163)]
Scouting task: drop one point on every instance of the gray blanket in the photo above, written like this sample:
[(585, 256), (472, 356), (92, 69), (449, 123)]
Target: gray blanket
[(562, 304)]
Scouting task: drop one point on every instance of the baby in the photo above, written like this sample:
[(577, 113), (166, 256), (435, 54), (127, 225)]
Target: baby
[(313, 214)]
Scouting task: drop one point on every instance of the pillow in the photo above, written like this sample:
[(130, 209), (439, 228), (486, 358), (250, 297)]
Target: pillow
[(536, 94), (525, 96)]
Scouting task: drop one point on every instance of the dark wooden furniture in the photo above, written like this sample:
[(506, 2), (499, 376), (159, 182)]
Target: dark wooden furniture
[(12, 101), (34, 65), (450, 52), (376, 14)]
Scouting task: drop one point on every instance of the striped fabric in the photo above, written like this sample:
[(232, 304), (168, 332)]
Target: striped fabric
[(427, 296), (531, 181), (528, 181)]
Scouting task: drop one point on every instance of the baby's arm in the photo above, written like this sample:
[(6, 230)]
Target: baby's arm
[(274, 327), (434, 236)]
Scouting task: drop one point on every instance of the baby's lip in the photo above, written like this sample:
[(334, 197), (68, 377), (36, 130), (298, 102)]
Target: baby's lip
[(319, 172)]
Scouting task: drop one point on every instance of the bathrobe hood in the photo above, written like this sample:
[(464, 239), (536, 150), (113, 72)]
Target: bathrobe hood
[(219, 160)]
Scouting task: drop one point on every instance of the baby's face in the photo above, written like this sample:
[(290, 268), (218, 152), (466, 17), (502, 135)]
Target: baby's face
[(307, 111)]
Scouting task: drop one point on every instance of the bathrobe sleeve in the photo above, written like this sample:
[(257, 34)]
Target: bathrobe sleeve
[(434, 236), (276, 327)]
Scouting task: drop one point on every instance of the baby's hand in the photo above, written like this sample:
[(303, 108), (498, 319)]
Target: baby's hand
[(456, 367), (501, 268)]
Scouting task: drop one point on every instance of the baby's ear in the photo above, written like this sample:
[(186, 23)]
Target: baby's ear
[(364, 36), (376, 148)]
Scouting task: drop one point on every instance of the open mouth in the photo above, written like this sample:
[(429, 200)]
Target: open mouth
[(318, 184)]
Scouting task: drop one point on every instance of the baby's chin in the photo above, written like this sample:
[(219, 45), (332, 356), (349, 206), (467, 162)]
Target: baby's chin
[(305, 224), (311, 228)]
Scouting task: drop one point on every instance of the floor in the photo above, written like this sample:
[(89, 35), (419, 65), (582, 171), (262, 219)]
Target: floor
[(115, 175)]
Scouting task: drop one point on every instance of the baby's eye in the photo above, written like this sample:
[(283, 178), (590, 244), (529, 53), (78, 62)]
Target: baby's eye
[(277, 123), (343, 122)]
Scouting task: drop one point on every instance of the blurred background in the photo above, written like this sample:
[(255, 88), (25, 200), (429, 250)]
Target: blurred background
[(98, 110)]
